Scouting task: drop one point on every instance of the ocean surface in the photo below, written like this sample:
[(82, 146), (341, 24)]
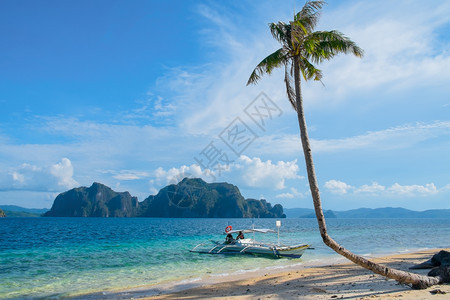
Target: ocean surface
[(93, 257)]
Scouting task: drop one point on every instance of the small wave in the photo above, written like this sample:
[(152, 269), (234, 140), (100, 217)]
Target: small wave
[(190, 280), (245, 271), (275, 267), (220, 275)]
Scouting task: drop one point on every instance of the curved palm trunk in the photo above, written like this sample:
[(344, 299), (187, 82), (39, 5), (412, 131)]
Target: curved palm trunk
[(417, 281)]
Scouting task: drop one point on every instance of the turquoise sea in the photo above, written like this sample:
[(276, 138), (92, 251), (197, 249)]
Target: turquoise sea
[(98, 257)]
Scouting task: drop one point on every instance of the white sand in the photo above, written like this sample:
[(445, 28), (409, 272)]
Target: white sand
[(340, 281)]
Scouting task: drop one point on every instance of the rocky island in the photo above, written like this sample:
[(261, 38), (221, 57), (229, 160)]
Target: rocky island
[(190, 198), (96, 201)]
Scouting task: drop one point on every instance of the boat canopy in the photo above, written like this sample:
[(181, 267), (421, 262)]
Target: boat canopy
[(258, 230)]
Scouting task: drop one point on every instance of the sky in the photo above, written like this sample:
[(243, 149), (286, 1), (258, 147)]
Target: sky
[(140, 94)]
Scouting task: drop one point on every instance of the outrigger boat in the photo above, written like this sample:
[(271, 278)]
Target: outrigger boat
[(241, 245)]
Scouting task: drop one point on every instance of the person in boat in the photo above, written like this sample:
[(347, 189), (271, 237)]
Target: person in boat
[(240, 236), (229, 239)]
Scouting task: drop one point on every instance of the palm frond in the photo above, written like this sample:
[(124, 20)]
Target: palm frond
[(267, 65), (298, 31), (309, 71), (290, 91), (281, 32), (308, 17), (337, 41), (324, 45), (304, 23), (298, 39)]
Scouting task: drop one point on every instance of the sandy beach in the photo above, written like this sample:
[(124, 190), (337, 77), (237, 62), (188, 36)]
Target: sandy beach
[(340, 281)]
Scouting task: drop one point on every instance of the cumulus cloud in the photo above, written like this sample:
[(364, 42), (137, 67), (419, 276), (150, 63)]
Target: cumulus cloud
[(258, 173), (162, 177), (244, 172), (375, 189), (285, 195), (294, 193), (338, 187), (174, 175), (63, 172), (413, 190), (29, 177)]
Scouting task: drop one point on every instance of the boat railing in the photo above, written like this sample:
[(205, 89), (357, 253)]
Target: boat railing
[(212, 249), (224, 247), (245, 248), (253, 243)]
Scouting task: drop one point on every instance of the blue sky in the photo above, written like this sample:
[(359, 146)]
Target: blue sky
[(138, 94)]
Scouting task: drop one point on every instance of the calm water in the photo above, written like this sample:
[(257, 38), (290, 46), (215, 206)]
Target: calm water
[(63, 257)]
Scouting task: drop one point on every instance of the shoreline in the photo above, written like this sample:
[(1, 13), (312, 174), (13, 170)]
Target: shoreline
[(341, 280)]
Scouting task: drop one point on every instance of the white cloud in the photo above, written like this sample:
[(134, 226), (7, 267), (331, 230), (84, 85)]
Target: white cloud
[(175, 175), (401, 44), (63, 171), (126, 176), (102, 145), (29, 177), (294, 193), (391, 138), (373, 188), (413, 190), (403, 51), (129, 174), (285, 195), (257, 173), (208, 97), (244, 172), (377, 190), (338, 187), (151, 109), (403, 136)]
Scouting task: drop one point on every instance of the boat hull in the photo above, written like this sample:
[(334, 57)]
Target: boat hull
[(256, 249)]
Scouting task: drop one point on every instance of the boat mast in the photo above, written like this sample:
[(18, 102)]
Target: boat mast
[(278, 223)]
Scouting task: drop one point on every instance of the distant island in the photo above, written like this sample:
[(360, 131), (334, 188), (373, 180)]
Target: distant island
[(370, 213), (15, 211), (193, 198), (190, 198)]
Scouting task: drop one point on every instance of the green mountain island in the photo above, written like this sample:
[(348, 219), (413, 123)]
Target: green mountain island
[(190, 198)]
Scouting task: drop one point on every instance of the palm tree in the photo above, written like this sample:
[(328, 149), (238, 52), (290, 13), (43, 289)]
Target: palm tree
[(302, 47)]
